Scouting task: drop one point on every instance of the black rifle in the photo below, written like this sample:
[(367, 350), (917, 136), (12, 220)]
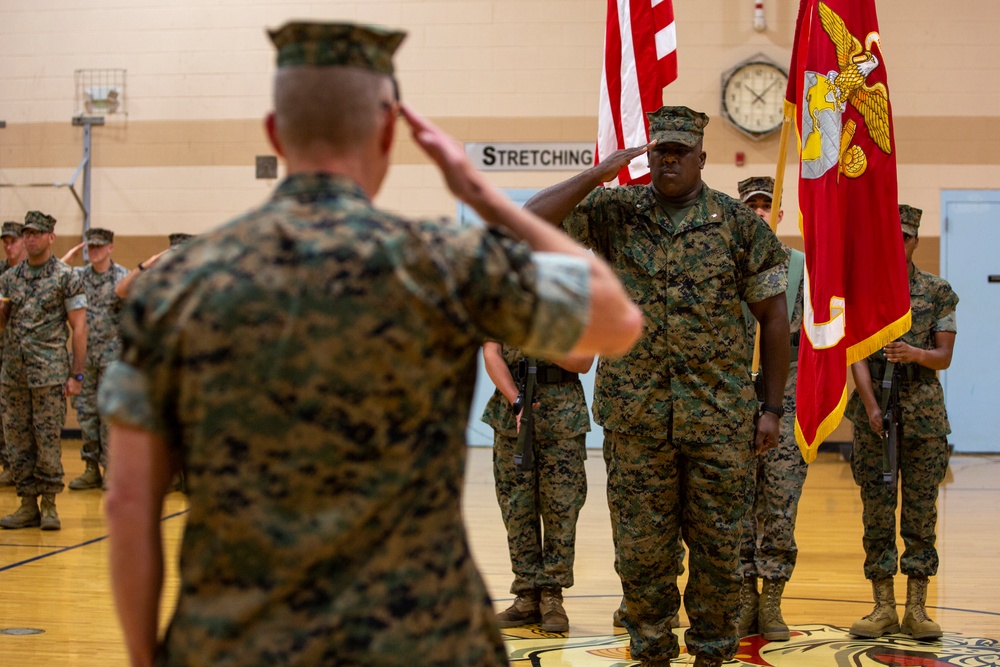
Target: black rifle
[(527, 379), (892, 423)]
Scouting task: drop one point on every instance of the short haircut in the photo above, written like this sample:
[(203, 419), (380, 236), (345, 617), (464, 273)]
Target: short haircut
[(336, 106)]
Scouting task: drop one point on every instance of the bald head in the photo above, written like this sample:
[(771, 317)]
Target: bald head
[(336, 110)]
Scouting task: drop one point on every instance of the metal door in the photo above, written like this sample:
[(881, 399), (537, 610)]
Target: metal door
[(970, 261)]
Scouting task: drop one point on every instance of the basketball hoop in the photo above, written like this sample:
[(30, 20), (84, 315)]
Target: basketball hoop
[(100, 93)]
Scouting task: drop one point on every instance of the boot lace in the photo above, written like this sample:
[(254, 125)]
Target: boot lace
[(919, 613), (772, 610)]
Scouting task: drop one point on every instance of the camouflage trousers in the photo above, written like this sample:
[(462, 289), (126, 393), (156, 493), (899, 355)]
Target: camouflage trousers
[(768, 550), (93, 428), (923, 463), (660, 490), (540, 508), (33, 419), (3, 442)]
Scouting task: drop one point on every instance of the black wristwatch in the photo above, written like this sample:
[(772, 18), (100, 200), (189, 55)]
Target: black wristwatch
[(767, 407)]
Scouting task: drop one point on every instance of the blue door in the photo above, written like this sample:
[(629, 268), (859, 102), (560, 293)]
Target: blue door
[(970, 261)]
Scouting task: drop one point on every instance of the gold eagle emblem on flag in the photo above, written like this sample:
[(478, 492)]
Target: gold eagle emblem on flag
[(850, 86)]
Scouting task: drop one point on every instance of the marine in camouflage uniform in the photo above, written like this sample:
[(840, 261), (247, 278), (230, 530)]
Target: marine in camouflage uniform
[(678, 410), (14, 247), (99, 278), (768, 551), (44, 295), (923, 453), (540, 506), (312, 365)]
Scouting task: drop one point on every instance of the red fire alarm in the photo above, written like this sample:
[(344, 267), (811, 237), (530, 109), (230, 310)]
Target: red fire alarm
[(740, 158)]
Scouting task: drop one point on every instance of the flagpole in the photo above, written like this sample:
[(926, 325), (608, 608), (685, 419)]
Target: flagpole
[(779, 175), (779, 180)]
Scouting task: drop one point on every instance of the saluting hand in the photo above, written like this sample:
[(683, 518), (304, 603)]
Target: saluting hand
[(73, 252), (446, 152), (614, 163)]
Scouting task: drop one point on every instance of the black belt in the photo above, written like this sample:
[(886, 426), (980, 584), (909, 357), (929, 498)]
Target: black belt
[(907, 372), (550, 374)]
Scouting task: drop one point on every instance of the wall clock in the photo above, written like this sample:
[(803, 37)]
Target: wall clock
[(753, 97)]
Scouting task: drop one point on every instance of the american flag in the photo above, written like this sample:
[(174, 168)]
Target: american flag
[(640, 59)]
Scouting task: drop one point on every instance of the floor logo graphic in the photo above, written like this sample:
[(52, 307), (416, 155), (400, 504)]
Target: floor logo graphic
[(810, 645)]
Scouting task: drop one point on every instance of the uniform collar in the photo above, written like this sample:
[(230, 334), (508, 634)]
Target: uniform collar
[(40, 270), (703, 211), (318, 185)]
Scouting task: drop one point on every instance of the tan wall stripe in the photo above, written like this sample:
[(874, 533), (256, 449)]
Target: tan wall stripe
[(968, 141)]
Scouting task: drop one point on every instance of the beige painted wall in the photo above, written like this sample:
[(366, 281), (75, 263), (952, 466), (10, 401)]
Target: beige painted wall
[(487, 70)]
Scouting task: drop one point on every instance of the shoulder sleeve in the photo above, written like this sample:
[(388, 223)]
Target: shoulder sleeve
[(74, 297), (504, 291), (946, 300), (947, 323), (563, 289), (763, 261), (134, 387)]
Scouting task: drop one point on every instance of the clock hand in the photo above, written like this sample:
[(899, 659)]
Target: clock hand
[(769, 86), (759, 98)]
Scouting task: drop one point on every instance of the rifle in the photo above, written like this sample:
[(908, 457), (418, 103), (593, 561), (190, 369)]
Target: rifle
[(527, 378), (892, 423)]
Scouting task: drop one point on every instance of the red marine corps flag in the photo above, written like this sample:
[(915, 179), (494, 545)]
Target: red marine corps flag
[(640, 59), (857, 295)]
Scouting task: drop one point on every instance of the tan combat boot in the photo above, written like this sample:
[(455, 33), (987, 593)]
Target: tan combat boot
[(746, 619), (50, 517), (770, 624), (915, 619), (616, 618), (6, 477), (883, 619), (523, 612), (90, 479), (554, 618), (26, 516)]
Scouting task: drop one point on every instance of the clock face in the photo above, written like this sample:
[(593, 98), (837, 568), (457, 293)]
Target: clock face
[(753, 98)]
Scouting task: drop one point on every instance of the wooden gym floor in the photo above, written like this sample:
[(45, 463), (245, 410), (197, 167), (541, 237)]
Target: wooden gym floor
[(56, 608)]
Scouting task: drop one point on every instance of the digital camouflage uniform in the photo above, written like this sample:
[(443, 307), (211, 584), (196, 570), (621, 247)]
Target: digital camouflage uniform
[(923, 452), (36, 365), (540, 506), (678, 409), (103, 347), (768, 550), (4, 267), (324, 444)]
